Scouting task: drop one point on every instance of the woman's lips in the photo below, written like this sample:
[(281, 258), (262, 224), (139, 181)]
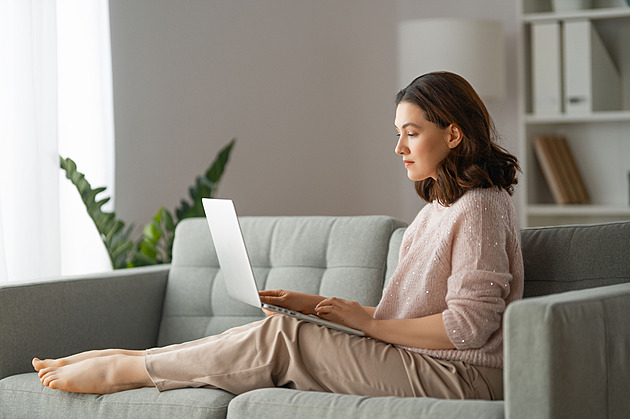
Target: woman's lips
[(407, 163)]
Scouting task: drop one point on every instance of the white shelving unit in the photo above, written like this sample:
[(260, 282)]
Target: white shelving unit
[(600, 141)]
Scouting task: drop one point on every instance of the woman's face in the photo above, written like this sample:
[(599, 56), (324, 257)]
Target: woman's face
[(422, 144)]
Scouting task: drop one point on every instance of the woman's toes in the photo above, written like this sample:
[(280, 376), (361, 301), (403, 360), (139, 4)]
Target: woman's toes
[(47, 378), (38, 364), (55, 384), (47, 375), (42, 372)]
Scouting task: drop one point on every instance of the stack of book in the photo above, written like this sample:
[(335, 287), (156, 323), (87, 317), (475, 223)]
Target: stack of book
[(560, 170)]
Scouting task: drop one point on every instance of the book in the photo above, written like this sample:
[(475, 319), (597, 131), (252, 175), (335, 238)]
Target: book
[(547, 161), (560, 160), (576, 181), (560, 170)]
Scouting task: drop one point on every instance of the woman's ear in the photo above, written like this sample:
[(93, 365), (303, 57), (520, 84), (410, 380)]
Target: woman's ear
[(455, 136)]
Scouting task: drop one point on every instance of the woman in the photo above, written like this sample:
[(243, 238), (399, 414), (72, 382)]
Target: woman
[(437, 329)]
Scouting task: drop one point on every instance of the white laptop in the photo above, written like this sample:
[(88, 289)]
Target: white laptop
[(234, 260)]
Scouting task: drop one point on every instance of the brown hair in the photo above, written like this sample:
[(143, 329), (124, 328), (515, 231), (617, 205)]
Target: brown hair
[(477, 162)]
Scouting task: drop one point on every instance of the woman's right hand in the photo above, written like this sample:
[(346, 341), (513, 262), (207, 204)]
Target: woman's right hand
[(292, 300)]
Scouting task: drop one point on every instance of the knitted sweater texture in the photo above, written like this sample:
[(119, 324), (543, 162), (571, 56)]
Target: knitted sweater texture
[(465, 262)]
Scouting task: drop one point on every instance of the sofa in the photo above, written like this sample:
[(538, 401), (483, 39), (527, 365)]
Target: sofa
[(567, 343)]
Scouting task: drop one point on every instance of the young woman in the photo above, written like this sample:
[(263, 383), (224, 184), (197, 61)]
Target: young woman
[(437, 330)]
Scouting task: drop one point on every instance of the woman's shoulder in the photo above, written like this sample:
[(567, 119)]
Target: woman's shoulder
[(485, 205), (484, 198)]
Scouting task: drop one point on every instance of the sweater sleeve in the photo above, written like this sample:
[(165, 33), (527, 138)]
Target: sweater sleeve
[(480, 277)]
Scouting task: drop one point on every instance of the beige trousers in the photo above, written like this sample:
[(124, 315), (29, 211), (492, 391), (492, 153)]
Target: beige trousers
[(281, 351)]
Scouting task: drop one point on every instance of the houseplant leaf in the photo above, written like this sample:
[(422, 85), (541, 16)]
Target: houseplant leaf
[(111, 230), (155, 245), (205, 186)]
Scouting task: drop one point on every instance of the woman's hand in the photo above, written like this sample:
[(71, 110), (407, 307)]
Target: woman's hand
[(292, 300), (348, 313)]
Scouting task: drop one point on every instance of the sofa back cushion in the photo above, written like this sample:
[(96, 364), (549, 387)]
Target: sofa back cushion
[(568, 258), (332, 256), (565, 258)]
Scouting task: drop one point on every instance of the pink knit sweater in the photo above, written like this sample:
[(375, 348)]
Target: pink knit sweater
[(465, 262)]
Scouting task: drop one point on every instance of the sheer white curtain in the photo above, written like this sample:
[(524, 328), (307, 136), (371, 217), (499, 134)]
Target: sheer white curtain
[(37, 105), (86, 126)]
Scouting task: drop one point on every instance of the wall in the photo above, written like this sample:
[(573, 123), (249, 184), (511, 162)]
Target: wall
[(503, 111), (306, 87)]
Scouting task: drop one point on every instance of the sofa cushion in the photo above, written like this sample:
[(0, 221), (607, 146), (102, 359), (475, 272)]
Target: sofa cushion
[(570, 258), (23, 396), (332, 256), (284, 403)]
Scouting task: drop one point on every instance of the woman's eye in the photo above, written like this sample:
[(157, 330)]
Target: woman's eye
[(411, 134)]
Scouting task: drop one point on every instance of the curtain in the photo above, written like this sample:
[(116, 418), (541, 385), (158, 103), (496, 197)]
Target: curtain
[(86, 126), (37, 105)]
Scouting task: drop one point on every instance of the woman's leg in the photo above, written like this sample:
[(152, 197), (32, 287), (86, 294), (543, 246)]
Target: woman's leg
[(109, 370), (284, 352), (276, 352), (40, 364), (98, 375)]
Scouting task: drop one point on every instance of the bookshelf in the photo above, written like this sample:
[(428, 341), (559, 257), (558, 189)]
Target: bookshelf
[(599, 139)]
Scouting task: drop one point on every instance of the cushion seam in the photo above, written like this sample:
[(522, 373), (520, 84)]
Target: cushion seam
[(101, 401)]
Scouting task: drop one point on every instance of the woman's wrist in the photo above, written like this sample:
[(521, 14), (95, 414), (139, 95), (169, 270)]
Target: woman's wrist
[(305, 303)]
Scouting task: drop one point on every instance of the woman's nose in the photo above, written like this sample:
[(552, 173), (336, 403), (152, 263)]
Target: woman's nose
[(400, 147)]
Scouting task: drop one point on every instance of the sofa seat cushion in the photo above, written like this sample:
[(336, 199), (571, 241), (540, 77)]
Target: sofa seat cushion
[(285, 403), (23, 396)]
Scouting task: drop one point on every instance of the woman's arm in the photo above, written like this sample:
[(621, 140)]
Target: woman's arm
[(370, 310), (425, 332), (297, 301)]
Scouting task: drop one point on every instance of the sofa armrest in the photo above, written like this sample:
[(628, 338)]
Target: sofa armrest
[(67, 315), (566, 355)]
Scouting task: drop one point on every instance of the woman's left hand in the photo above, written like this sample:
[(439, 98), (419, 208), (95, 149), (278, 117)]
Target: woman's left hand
[(348, 313)]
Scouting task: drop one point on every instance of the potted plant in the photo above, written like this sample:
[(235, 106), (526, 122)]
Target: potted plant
[(155, 245)]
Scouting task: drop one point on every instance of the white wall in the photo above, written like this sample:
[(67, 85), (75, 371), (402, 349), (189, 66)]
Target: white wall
[(503, 111), (307, 88)]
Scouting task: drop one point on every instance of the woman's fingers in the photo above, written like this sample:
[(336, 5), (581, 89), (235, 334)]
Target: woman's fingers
[(349, 313), (331, 306), (328, 302), (271, 293), (273, 297), (269, 313)]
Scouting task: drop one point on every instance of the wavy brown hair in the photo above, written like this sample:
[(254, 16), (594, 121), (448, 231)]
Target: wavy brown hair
[(477, 162)]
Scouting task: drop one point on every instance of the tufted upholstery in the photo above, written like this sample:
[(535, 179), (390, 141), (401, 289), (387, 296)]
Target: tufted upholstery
[(332, 256)]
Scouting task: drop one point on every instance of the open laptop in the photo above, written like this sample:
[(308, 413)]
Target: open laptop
[(237, 269)]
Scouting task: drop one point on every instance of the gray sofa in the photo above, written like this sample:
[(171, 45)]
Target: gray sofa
[(567, 344)]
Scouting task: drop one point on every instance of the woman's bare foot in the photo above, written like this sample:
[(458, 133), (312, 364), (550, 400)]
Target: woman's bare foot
[(98, 375), (40, 364)]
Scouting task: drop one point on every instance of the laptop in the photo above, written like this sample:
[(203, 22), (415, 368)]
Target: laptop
[(237, 269)]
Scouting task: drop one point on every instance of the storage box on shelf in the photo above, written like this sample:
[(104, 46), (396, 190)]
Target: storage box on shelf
[(598, 130)]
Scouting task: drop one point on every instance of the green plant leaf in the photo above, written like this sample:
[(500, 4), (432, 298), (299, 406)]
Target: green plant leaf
[(157, 240), (205, 186), (155, 245), (109, 228)]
